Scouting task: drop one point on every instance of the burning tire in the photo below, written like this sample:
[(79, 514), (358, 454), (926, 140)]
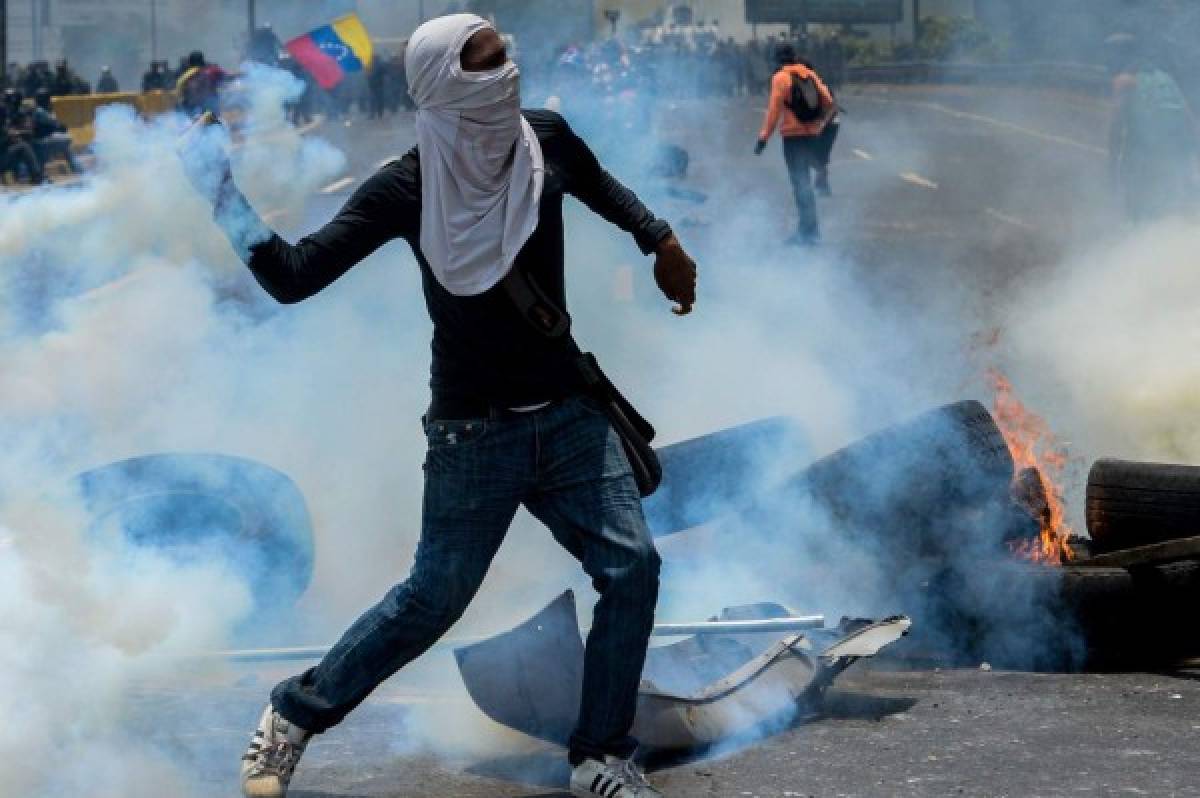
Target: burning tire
[(1133, 504), (208, 507), (915, 484), (912, 479)]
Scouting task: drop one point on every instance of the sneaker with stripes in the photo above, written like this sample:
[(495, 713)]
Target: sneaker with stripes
[(612, 778), (269, 762)]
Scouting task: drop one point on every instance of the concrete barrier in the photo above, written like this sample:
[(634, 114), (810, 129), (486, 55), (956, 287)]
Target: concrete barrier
[(78, 111)]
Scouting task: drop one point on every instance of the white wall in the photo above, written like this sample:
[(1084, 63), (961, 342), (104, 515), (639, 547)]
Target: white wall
[(732, 15)]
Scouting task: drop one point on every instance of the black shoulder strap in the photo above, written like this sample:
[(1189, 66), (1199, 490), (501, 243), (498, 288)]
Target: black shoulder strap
[(538, 309)]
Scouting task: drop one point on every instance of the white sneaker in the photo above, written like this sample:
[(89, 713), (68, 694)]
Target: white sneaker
[(612, 778), (269, 762)]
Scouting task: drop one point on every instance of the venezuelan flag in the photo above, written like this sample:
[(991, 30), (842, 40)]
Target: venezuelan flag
[(332, 51)]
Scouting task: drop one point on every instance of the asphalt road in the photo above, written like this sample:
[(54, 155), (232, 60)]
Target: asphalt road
[(944, 197), (883, 733), (975, 188)]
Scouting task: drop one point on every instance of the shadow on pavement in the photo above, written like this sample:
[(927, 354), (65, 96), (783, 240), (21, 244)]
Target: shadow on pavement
[(837, 705), (546, 768), (846, 705)]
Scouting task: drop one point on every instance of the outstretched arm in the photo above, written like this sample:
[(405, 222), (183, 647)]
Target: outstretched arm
[(674, 271), (375, 214)]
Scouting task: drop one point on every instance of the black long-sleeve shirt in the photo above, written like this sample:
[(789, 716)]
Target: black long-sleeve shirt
[(484, 350)]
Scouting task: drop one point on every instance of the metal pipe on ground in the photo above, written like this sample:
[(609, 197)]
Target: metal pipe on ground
[(763, 626)]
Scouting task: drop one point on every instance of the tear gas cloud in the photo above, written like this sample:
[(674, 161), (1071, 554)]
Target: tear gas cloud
[(128, 327)]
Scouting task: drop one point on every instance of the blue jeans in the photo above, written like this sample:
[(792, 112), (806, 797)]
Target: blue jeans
[(566, 465), (801, 154)]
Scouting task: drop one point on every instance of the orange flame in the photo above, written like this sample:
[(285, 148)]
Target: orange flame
[(1034, 446)]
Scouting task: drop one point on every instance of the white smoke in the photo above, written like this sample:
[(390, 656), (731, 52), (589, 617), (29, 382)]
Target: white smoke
[(115, 345), (1108, 340), (126, 328)]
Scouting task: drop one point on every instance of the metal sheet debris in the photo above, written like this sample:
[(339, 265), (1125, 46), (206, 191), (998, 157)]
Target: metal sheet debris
[(694, 693)]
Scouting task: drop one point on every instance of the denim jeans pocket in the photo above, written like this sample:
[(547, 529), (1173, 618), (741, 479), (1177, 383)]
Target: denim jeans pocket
[(454, 433)]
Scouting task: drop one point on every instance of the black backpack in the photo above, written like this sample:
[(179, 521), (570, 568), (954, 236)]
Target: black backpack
[(805, 99)]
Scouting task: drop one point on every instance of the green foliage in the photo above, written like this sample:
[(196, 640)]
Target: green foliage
[(868, 52), (941, 39), (957, 39)]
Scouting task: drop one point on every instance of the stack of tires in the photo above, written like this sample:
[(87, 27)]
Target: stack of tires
[(1143, 575), (936, 505)]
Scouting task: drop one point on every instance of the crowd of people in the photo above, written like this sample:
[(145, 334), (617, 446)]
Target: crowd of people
[(682, 67), (37, 76), (668, 65), (31, 136), (673, 66)]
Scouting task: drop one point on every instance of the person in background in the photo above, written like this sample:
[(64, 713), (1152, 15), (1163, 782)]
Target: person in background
[(15, 152), (1152, 137), (199, 85), (50, 137), (36, 76), (155, 78), (377, 80), (264, 46), (107, 84), (397, 86), (20, 117), (300, 110), (65, 82), (801, 106), (825, 143)]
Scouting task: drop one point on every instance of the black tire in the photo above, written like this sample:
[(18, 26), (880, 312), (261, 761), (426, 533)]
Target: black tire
[(1133, 504), (197, 507), (710, 475), (1130, 618), (913, 485)]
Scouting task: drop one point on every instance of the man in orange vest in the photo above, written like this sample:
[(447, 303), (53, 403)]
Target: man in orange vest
[(801, 106)]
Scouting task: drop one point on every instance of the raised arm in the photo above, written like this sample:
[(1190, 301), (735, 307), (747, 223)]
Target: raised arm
[(291, 273), (674, 270), (379, 211)]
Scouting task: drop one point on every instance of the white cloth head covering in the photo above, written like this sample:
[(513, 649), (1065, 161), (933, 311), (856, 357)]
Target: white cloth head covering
[(481, 163)]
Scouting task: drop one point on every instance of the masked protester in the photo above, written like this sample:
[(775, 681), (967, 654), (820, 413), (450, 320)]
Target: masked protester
[(479, 200), (801, 106)]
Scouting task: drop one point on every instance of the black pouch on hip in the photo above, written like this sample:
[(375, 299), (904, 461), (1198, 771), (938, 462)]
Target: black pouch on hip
[(635, 432)]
